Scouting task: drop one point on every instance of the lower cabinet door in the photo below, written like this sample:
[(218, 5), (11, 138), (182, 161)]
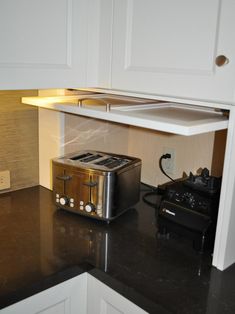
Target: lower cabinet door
[(68, 297), (103, 300), (83, 294)]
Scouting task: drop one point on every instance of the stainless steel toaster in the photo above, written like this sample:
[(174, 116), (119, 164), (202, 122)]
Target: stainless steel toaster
[(96, 184)]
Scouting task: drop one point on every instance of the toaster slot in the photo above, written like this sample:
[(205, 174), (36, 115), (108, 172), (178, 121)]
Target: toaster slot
[(115, 164), (80, 156), (112, 162), (106, 161), (91, 158)]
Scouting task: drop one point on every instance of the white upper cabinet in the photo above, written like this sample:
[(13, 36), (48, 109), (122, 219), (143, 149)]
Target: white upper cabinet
[(43, 43), (162, 47), (169, 48)]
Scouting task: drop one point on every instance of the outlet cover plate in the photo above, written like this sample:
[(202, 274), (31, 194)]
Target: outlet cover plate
[(169, 164)]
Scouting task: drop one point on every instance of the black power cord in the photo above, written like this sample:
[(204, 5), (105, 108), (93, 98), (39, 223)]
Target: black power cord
[(148, 202), (165, 156), (160, 190)]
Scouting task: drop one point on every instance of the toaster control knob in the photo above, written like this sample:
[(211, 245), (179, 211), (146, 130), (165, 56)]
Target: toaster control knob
[(63, 201), (89, 207)]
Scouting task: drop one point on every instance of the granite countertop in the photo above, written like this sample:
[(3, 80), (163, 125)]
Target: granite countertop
[(41, 246)]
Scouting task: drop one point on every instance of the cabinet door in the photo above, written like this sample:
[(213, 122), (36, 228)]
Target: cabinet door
[(104, 300), (43, 43), (170, 47), (66, 298)]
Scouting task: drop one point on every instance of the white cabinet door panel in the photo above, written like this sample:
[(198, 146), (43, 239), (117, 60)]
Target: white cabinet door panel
[(43, 43), (66, 298), (153, 22), (169, 48), (104, 300)]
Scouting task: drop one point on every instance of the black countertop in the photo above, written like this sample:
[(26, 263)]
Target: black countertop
[(41, 246)]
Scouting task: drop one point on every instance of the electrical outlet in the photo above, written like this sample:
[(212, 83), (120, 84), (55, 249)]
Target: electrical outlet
[(5, 182), (169, 163)]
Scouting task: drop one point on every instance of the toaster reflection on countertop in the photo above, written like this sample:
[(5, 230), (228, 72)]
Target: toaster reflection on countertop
[(79, 239)]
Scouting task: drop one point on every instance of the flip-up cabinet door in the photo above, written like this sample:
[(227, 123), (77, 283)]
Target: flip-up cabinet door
[(179, 48), (43, 43)]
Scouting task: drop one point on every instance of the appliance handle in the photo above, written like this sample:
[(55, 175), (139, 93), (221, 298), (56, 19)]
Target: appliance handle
[(102, 101), (90, 184), (64, 177)]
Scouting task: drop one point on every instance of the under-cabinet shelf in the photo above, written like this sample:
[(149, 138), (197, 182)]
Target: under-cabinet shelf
[(171, 117)]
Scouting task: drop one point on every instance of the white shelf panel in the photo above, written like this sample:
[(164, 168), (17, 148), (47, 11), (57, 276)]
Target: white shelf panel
[(167, 117)]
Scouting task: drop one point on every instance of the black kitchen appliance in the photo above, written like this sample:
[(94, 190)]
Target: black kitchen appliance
[(189, 207)]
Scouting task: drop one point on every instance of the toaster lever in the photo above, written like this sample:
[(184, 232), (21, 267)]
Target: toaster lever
[(90, 184), (64, 178)]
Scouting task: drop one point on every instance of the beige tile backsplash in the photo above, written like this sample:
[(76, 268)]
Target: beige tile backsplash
[(18, 139)]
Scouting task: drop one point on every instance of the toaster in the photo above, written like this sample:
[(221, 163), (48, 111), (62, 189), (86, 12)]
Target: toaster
[(96, 184)]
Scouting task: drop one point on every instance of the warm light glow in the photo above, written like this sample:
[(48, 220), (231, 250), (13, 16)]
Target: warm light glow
[(40, 101)]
